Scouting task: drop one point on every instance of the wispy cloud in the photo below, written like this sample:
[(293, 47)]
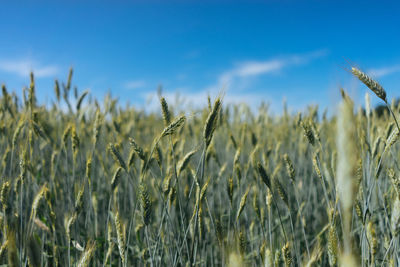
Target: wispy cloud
[(25, 66), (248, 69), (135, 84), (380, 72)]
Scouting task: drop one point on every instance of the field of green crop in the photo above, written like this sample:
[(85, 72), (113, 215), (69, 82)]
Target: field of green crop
[(97, 184)]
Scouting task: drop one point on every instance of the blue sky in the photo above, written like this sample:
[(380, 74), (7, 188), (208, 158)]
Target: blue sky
[(254, 50)]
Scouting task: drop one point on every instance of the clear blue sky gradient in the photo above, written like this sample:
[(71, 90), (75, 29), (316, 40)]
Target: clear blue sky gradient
[(254, 50)]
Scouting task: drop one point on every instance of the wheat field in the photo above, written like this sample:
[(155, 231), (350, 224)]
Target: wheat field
[(99, 184)]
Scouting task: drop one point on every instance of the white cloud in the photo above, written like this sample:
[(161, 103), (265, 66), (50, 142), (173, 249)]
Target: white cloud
[(257, 68), (135, 84), (380, 72), (245, 70), (25, 66)]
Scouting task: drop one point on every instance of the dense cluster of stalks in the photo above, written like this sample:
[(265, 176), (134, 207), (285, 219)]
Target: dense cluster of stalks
[(101, 185)]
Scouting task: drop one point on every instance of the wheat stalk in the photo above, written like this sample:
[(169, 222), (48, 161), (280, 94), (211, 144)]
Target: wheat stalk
[(242, 203), (87, 254), (370, 83), (211, 122)]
